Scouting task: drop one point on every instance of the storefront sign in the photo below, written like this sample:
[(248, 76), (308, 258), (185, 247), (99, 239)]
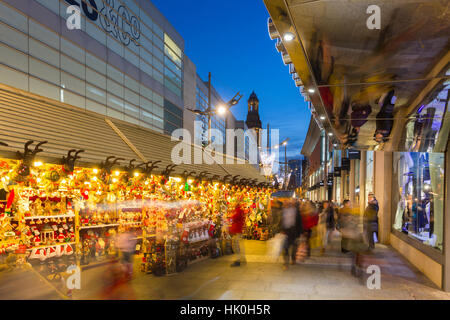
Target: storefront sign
[(330, 179), (113, 18), (346, 164), (337, 171), (354, 154)]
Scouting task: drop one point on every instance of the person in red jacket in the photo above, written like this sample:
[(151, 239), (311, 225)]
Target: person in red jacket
[(310, 218), (236, 225)]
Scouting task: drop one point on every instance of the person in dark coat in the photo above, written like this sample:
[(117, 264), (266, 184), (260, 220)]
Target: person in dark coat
[(370, 220), (291, 226)]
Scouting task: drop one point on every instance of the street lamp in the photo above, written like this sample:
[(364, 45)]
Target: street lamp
[(221, 110)]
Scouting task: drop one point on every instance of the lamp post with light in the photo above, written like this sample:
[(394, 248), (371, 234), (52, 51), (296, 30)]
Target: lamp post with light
[(221, 110), (284, 143)]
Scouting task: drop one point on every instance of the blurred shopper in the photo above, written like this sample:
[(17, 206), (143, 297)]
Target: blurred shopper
[(326, 224), (352, 236), (115, 283), (370, 220), (291, 226), (235, 230), (343, 217), (127, 245), (310, 219)]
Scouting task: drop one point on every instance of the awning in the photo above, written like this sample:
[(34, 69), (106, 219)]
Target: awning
[(312, 138), (25, 116), (373, 86)]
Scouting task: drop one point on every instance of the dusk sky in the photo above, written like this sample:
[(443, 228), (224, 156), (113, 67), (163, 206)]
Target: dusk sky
[(230, 40)]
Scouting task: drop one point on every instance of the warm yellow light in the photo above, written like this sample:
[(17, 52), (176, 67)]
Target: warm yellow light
[(95, 171), (63, 181), (117, 173), (146, 182), (38, 179), (221, 110), (94, 179), (136, 174), (114, 180), (38, 163), (87, 183), (176, 179), (7, 178), (3, 179), (190, 181)]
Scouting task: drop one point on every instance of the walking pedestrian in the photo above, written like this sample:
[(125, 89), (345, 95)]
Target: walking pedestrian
[(310, 219), (326, 224), (235, 230), (370, 220), (291, 226), (127, 247)]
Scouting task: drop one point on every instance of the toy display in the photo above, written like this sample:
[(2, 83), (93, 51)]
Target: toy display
[(55, 215)]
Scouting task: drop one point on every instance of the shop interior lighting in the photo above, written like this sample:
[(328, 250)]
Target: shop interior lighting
[(38, 163), (288, 36), (95, 171), (136, 174), (117, 173), (322, 118), (311, 90)]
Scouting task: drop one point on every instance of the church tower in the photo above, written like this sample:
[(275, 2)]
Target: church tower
[(253, 121)]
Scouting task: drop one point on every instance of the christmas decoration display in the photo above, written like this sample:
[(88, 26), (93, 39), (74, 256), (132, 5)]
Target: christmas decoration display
[(55, 215)]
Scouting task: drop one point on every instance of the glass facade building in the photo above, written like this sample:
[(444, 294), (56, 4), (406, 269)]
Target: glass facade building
[(125, 61)]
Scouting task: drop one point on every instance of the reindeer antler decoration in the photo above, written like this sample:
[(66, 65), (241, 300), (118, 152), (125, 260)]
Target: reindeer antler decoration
[(107, 164), (169, 169), (234, 180), (185, 175), (225, 178), (149, 167), (69, 161), (28, 156)]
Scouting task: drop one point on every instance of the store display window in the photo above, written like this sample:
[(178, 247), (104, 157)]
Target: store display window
[(419, 187)]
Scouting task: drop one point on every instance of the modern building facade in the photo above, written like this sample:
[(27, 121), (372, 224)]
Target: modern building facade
[(125, 61), (380, 115)]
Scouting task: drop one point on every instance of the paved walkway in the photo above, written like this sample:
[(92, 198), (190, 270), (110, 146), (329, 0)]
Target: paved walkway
[(320, 277)]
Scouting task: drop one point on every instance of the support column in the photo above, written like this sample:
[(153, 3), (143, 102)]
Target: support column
[(446, 266), (362, 182), (352, 181), (382, 190)]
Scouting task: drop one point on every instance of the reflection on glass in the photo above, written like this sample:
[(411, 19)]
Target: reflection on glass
[(420, 191)]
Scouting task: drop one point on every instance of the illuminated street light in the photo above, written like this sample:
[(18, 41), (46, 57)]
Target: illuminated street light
[(288, 37), (221, 110)]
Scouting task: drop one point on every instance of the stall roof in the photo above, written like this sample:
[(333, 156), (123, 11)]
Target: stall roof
[(25, 116)]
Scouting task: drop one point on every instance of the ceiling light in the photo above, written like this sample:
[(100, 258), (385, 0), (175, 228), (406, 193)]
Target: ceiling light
[(322, 118), (38, 163), (311, 90), (330, 134), (288, 36)]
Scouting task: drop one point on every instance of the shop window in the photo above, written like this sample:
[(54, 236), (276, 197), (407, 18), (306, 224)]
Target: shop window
[(419, 193), (369, 174)]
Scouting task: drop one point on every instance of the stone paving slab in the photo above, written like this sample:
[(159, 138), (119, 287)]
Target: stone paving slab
[(325, 279)]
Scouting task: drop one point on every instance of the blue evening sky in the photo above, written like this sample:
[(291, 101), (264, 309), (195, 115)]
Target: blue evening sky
[(230, 40)]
